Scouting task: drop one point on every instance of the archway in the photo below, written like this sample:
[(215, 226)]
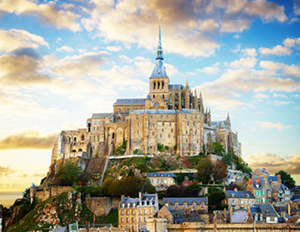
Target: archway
[(119, 137)]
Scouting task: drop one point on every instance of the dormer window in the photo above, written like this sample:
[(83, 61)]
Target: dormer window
[(123, 205), (176, 204), (128, 205), (184, 205)]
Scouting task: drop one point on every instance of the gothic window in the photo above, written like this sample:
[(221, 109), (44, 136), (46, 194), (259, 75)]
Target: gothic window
[(74, 139), (82, 137), (158, 85), (156, 105), (154, 85), (153, 96), (163, 96)]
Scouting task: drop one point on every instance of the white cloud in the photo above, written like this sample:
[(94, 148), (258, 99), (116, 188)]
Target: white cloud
[(236, 36), (65, 48), (210, 69), (237, 25), (291, 71), (14, 39), (296, 95), (244, 63), (113, 48), (270, 65), (209, 25), (277, 50), (270, 125), (261, 96), (276, 102), (279, 95), (249, 52), (291, 42)]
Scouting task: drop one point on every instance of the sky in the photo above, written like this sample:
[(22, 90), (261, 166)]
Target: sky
[(61, 61)]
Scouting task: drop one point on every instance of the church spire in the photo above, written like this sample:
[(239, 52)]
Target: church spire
[(159, 48)]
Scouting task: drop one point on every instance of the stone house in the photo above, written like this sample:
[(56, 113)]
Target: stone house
[(281, 195), (261, 189), (239, 199), (260, 172), (134, 212), (161, 181), (264, 213)]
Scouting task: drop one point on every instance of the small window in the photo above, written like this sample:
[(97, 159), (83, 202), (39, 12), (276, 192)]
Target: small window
[(137, 131), (137, 117), (127, 109), (171, 130), (162, 130), (161, 117), (152, 133), (168, 135), (138, 124)]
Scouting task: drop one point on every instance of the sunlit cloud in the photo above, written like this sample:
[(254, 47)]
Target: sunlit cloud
[(65, 49), (277, 50), (14, 39), (6, 171), (211, 69), (28, 139), (274, 163), (270, 125)]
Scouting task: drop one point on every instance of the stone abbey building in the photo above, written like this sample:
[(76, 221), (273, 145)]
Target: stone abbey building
[(171, 115)]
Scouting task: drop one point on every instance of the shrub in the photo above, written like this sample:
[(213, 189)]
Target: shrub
[(160, 147)]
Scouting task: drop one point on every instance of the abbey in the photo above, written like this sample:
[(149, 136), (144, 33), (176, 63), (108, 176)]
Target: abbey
[(171, 116)]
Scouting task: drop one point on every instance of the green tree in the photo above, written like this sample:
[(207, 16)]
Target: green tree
[(215, 198), (217, 148), (193, 190), (204, 169), (286, 179), (105, 185), (114, 189), (68, 174), (26, 193), (227, 159)]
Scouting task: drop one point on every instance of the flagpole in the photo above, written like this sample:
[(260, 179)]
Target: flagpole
[(289, 208)]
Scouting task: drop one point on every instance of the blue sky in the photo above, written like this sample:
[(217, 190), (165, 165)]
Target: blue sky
[(62, 61)]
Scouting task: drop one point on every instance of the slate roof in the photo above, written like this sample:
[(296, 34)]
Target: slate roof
[(281, 209), (160, 174), (189, 200), (257, 185), (193, 217), (296, 198), (100, 115), (267, 210), (296, 188), (154, 112), (272, 178), (239, 216), (147, 199), (264, 171), (238, 194), (177, 86), (130, 101), (188, 111), (159, 69)]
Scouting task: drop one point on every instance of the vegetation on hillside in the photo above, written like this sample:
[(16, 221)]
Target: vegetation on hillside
[(286, 179)]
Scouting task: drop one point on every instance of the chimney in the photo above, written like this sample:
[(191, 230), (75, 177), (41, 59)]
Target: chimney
[(265, 169), (122, 198), (250, 181), (235, 189), (140, 196), (279, 178), (257, 180)]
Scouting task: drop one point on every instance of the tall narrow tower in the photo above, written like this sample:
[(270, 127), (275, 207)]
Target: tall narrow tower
[(159, 80)]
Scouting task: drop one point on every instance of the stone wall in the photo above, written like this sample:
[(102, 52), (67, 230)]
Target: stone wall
[(105, 229), (102, 205), (51, 192)]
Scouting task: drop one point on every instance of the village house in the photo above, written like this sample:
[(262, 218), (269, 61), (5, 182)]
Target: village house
[(161, 181), (134, 212), (264, 213), (239, 199)]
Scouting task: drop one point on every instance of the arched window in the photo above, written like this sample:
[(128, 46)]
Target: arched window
[(80, 150), (162, 85), (75, 139), (82, 138), (163, 96), (154, 84), (158, 85)]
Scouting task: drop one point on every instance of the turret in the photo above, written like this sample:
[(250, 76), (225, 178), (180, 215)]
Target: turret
[(187, 95), (227, 122)]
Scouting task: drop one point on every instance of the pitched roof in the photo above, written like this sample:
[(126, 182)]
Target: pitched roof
[(238, 194), (159, 69), (189, 200), (161, 174), (239, 216), (267, 210), (154, 112), (193, 217), (100, 115), (257, 184), (188, 111), (177, 86), (272, 178), (147, 199), (264, 171), (130, 101)]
